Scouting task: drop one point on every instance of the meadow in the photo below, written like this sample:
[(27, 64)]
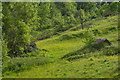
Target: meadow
[(68, 55)]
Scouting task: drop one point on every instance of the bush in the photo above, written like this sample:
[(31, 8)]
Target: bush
[(96, 31), (5, 57), (89, 36), (110, 51)]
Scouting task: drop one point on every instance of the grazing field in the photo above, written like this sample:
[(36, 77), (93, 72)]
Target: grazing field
[(0, 59), (68, 55)]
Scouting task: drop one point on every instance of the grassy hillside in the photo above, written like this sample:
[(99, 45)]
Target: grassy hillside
[(0, 59), (71, 57)]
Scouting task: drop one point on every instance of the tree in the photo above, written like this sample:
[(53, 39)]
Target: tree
[(19, 21), (56, 15), (70, 10), (114, 7), (44, 15), (81, 16), (105, 9)]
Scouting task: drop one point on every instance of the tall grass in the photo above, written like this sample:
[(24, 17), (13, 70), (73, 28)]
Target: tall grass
[(26, 63)]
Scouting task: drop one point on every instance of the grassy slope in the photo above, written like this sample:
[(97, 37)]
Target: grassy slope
[(99, 67), (0, 58)]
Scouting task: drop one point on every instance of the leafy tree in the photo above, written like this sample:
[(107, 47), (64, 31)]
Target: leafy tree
[(44, 15), (88, 15), (105, 9), (114, 7), (19, 21), (56, 15), (81, 17), (68, 10), (92, 9)]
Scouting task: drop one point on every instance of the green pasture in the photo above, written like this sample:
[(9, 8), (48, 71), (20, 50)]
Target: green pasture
[(80, 62)]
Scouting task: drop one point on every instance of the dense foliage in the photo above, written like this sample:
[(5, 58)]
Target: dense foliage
[(21, 21)]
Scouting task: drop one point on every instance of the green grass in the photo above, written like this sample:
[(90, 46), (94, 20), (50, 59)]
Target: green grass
[(0, 57), (82, 61), (102, 67), (20, 64), (57, 49)]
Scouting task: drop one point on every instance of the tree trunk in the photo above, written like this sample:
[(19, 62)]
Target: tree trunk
[(82, 25)]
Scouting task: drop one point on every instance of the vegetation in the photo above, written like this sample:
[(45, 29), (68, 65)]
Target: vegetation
[(57, 40)]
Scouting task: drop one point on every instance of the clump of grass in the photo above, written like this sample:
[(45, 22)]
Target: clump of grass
[(91, 59), (110, 51)]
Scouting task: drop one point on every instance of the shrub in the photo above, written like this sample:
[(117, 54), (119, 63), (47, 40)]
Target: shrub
[(81, 35), (110, 51), (89, 36), (96, 31), (5, 57)]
